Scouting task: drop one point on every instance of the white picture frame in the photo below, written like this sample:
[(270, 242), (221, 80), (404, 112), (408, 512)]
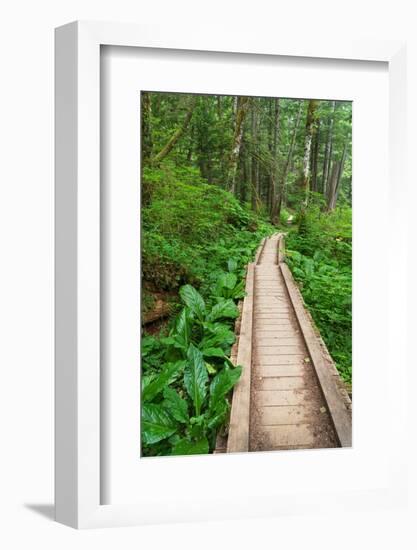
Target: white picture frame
[(78, 404)]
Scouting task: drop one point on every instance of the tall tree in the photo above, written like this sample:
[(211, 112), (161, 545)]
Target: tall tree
[(309, 133), (254, 160), (146, 129), (314, 158), (328, 149), (242, 105), (274, 164), (283, 180), (177, 134), (335, 180)]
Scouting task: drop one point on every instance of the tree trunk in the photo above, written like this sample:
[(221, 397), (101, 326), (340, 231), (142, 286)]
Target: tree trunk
[(328, 150), (310, 131), (242, 106), (160, 310), (177, 135), (282, 186), (274, 170), (335, 181), (245, 174), (254, 162), (146, 128), (314, 158)]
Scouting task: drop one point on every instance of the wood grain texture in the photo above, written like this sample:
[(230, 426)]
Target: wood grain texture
[(238, 439)]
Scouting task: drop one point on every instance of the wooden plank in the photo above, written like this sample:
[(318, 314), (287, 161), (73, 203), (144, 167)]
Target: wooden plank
[(260, 359), (286, 414), (278, 323), (272, 289), (273, 286), (282, 342), (272, 316), (289, 349), (267, 296), (268, 293), (275, 336), (276, 371), (267, 286), (238, 439), (278, 303), (286, 338), (263, 342), (282, 383), (275, 332), (283, 397), (270, 299), (273, 312), (287, 435), (278, 331), (339, 413)]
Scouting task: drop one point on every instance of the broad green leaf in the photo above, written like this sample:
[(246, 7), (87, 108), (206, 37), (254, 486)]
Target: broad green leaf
[(230, 280), (193, 300), (146, 380), (167, 341), (232, 265), (239, 290), (157, 424), (217, 416), (186, 447), (217, 335), (177, 406), (148, 344), (183, 329), (225, 284), (225, 309), (196, 377), (170, 371), (213, 352), (222, 383)]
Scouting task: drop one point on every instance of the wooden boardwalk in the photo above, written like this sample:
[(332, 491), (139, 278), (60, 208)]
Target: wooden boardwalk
[(289, 396)]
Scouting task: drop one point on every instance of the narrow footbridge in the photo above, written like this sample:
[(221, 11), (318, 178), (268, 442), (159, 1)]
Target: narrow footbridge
[(290, 395)]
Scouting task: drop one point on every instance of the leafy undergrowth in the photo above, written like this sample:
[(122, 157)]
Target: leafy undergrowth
[(187, 375), (190, 229), (320, 257), (196, 241)]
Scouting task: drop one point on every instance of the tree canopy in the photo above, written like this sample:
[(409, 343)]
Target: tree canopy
[(269, 152)]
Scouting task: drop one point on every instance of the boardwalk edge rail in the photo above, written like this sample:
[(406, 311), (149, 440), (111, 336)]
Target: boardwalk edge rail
[(238, 437)]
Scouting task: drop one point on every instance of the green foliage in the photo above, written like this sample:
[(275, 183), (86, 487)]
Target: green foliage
[(157, 424), (320, 258), (184, 394), (196, 378), (190, 230)]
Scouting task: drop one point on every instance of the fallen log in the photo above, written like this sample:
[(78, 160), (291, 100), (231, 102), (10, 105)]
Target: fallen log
[(159, 311)]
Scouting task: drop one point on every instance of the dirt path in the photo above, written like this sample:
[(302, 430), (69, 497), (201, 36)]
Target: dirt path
[(287, 409)]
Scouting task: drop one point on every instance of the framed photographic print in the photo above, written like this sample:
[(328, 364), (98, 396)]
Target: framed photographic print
[(221, 346)]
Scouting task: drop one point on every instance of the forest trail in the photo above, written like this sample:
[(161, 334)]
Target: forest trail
[(290, 395)]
